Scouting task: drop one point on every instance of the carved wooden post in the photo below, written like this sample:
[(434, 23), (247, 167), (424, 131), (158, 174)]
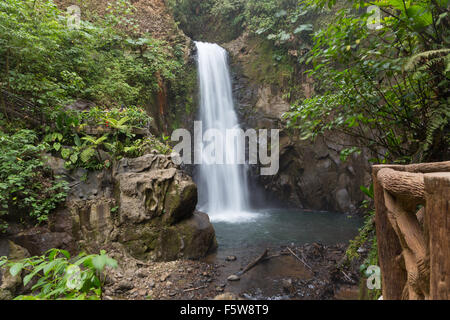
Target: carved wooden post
[(413, 243), (437, 188), (389, 247)]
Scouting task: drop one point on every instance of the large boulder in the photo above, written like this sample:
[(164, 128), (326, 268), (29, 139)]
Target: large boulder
[(157, 193), (146, 205)]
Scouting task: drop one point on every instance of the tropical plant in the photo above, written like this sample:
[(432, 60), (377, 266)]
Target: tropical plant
[(387, 88), (55, 275)]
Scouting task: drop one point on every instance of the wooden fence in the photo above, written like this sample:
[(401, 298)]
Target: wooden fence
[(412, 218)]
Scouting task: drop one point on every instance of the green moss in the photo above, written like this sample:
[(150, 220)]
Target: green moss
[(141, 240), (182, 96), (268, 64)]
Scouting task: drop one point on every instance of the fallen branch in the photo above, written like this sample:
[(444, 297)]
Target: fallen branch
[(254, 263), (299, 259), (272, 256), (193, 289), (346, 276)]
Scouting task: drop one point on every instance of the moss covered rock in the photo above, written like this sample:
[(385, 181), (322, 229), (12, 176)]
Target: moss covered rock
[(152, 213)]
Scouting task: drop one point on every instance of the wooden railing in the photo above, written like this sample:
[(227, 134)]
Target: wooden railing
[(412, 219)]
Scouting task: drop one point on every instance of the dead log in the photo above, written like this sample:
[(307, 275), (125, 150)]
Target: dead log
[(254, 263)]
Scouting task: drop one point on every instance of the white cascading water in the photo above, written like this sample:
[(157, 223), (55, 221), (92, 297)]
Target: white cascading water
[(223, 188)]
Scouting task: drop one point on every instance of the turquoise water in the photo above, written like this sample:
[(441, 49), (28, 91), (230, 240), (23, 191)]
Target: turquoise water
[(283, 227)]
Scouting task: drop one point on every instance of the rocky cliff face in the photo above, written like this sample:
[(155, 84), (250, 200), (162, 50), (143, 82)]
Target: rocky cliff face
[(311, 174), (145, 206)]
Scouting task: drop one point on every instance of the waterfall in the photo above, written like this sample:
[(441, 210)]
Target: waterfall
[(223, 188)]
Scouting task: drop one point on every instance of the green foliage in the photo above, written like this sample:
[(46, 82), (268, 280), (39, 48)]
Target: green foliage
[(26, 186), (140, 146), (366, 237), (283, 22), (386, 88), (114, 134), (345, 153), (105, 62), (55, 275), (196, 16)]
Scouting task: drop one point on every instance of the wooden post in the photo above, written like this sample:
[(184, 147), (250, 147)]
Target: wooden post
[(393, 278), (437, 188)]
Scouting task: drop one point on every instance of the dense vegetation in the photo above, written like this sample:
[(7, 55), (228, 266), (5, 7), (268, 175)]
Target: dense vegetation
[(107, 64), (53, 65), (387, 88), (27, 188)]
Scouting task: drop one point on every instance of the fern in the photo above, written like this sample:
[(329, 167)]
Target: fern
[(437, 122), (95, 141), (87, 155), (431, 56)]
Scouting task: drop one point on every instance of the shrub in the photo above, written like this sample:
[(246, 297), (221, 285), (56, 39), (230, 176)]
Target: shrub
[(58, 276), (27, 187)]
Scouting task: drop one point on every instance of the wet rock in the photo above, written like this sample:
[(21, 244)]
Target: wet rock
[(347, 293), (233, 277), (147, 162), (230, 258), (198, 237), (80, 105)]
